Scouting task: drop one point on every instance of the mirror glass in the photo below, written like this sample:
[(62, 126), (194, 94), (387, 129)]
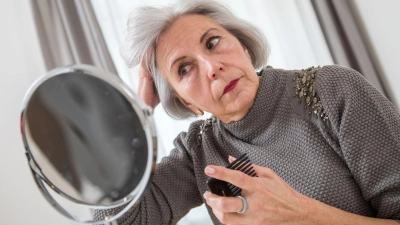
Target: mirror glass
[(87, 137)]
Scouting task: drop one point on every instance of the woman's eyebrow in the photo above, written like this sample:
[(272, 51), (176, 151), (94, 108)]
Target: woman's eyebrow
[(176, 60), (205, 33)]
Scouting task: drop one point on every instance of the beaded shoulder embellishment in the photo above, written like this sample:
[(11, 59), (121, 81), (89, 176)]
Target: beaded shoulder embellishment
[(305, 89), (205, 125)]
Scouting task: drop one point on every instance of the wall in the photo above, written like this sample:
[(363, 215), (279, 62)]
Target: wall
[(21, 63), (381, 22)]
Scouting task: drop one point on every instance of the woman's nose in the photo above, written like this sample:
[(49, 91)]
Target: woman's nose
[(212, 67)]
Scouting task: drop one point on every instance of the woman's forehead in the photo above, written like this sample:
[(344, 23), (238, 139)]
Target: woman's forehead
[(184, 33)]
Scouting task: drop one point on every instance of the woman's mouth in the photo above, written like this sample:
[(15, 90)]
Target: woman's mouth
[(230, 86)]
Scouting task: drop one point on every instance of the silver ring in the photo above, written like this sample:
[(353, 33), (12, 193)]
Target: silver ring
[(245, 204)]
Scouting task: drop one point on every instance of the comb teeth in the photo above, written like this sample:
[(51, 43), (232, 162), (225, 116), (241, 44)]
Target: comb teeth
[(242, 164), (224, 188)]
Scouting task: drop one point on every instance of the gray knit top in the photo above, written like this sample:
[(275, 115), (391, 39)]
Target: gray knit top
[(327, 132)]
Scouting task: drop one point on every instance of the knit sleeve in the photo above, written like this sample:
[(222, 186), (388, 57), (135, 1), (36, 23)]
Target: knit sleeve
[(173, 190), (367, 127)]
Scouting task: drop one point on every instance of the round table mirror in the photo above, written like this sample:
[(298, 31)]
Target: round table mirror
[(89, 140)]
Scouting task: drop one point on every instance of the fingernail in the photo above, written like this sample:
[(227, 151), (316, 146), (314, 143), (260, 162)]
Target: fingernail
[(205, 195), (209, 170), (232, 158)]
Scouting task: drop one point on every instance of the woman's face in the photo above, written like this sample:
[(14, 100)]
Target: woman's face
[(208, 67)]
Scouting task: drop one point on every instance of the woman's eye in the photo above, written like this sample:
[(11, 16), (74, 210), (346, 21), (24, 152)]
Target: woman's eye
[(185, 69), (212, 42)]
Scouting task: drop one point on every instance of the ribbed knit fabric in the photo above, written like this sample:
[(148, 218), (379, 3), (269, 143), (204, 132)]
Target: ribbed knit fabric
[(351, 161)]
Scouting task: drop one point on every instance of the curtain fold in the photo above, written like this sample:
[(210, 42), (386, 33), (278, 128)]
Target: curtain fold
[(346, 43), (69, 34)]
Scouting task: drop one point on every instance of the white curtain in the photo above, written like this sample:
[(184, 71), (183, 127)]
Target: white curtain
[(291, 27), (69, 33)]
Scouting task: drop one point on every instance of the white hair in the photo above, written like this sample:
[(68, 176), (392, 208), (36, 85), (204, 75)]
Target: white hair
[(145, 25)]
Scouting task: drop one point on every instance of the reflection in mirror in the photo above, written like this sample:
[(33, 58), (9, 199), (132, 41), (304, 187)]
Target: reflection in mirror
[(87, 138)]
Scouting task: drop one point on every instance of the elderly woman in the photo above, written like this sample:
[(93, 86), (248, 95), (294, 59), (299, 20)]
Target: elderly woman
[(324, 143)]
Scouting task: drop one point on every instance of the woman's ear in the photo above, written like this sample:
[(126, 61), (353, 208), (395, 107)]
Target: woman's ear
[(187, 104)]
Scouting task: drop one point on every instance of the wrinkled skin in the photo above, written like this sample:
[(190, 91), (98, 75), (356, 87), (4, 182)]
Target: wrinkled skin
[(201, 60)]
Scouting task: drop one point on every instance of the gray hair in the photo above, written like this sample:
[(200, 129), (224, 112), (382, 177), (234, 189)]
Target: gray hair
[(145, 25)]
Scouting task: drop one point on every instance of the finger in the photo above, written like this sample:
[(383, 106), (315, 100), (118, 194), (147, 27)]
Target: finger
[(144, 70), (231, 159), (264, 172), (146, 92), (230, 218), (223, 204), (237, 178)]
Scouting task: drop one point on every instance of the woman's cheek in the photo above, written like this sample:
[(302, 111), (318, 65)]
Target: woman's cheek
[(188, 84)]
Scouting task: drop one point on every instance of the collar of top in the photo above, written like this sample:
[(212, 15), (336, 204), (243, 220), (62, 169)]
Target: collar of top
[(261, 113)]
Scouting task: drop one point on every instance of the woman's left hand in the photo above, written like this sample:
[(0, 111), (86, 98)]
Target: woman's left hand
[(270, 199)]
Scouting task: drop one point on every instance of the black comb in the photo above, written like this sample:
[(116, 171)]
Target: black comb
[(223, 188)]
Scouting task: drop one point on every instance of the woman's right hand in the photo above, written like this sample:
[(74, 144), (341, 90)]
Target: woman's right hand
[(146, 89)]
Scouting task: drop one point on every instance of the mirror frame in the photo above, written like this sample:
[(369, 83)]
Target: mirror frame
[(144, 114)]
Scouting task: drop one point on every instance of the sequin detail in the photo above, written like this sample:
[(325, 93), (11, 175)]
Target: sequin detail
[(205, 125), (305, 90)]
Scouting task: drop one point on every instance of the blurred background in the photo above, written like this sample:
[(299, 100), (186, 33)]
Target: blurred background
[(39, 35)]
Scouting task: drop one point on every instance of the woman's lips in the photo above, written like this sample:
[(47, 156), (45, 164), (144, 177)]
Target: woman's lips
[(230, 86)]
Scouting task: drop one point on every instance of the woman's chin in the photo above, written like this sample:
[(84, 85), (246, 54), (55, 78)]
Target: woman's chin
[(237, 109)]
